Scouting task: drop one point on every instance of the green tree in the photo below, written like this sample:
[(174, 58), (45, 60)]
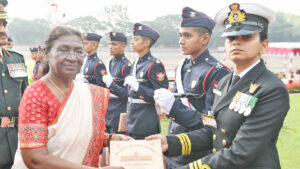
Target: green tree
[(28, 32), (88, 24)]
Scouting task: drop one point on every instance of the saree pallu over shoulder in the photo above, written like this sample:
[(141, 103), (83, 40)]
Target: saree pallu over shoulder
[(78, 133), (100, 97)]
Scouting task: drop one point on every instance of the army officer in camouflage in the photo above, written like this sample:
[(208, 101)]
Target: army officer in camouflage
[(13, 81), (250, 104)]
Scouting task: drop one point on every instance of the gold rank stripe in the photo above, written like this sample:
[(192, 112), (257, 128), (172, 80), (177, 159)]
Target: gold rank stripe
[(182, 143), (185, 143), (191, 166), (202, 166), (199, 163), (196, 165), (189, 144)]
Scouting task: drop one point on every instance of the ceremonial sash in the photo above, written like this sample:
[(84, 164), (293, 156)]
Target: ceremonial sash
[(179, 85), (157, 108)]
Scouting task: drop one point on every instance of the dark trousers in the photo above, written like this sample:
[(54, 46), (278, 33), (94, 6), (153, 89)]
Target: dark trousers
[(8, 146)]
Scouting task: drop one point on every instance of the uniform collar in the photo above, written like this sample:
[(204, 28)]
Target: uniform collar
[(93, 56), (204, 57), (244, 72), (146, 57), (118, 57)]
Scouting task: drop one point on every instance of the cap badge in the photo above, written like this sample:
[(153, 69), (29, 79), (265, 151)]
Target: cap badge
[(140, 27), (236, 15), (192, 14), (114, 33)]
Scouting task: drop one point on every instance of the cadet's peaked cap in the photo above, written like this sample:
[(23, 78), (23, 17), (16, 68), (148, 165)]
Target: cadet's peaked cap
[(34, 49), (92, 37), (117, 36), (144, 30), (41, 48), (193, 18), (244, 19)]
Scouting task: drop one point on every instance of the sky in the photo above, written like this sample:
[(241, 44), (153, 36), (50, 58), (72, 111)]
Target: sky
[(138, 10)]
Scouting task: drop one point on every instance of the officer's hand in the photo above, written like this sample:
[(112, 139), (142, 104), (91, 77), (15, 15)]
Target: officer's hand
[(120, 137), (132, 82), (164, 98), (107, 79), (163, 140), (80, 78)]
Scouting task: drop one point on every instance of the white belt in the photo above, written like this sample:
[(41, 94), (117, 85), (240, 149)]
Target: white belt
[(112, 96), (139, 101)]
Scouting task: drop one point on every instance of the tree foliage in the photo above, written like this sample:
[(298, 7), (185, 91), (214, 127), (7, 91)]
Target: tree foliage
[(115, 18)]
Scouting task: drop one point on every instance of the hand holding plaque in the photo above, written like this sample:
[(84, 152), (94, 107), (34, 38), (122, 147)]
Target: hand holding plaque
[(136, 154)]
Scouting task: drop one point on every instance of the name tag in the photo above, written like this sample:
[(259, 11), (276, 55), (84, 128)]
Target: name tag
[(17, 70), (217, 92), (209, 121)]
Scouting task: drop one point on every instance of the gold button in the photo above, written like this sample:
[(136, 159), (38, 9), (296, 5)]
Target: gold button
[(3, 74), (224, 142), (8, 108), (5, 91), (171, 131), (214, 137), (214, 150), (223, 131), (194, 62)]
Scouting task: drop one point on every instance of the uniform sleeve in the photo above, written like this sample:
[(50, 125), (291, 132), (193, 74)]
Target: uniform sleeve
[(212, 81), (158, 79), (185, 116), (190, 118), (126, 71), (187, 143), (99, 73), (121, 91), (33, 120), (265, 121)]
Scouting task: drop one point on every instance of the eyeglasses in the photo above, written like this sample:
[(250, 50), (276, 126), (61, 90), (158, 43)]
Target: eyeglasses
[(67, 52)]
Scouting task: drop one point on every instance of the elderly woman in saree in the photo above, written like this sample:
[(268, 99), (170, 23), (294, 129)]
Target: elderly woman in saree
[(61, 121)]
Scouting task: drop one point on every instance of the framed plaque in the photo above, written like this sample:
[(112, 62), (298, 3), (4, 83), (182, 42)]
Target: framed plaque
[(136, 154)]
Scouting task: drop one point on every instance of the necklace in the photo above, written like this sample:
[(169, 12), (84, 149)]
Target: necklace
[(62, 93)]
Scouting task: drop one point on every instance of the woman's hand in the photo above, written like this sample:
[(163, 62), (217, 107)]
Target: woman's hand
[(120, 137)]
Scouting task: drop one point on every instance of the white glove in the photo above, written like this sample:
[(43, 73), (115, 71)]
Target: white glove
[(107, 79), (164, 98), (132, 82), (80, 78)]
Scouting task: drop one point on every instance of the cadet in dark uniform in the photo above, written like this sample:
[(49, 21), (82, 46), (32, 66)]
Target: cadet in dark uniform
[(147, 75), (93, 69), (117, 69), (35, 56), (13, 81), (198, 74), (250, 104), (10, 43)]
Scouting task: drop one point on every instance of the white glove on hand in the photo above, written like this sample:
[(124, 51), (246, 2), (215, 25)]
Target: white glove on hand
[(107, 79), (164, 98), (80, 78), (132, 82)]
